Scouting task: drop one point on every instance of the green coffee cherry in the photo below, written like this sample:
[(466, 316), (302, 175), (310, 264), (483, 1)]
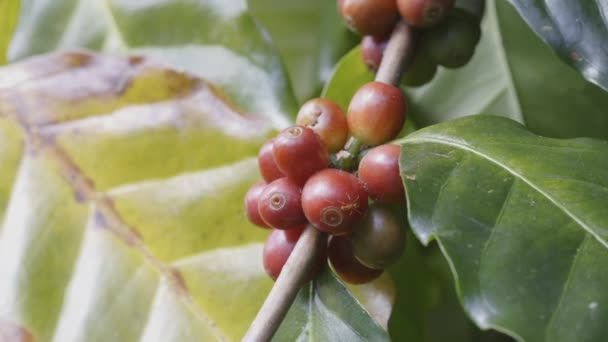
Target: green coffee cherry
[(421, 71), (452, 43), (379, 239)]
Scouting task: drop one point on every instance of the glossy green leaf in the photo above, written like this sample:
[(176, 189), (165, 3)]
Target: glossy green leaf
[(522, 220), (512, 74), (216, 40), (576, 30), (427, 307), (121, 194), (9, 10), (324, 311), (310, 37), (348, 76)]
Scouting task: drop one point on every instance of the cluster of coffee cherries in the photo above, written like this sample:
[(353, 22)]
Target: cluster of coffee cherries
[(316, 173), (448, 33)]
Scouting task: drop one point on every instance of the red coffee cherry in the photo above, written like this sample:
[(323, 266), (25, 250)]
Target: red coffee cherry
[(376, 113), (278, 247), (379, 172), (251, 204), (268, 168), (299, 153), (333, 201), (345, 264), (372, 49), (280, 205), (379, 238), (327, 119), (424, 13), (369, 17)]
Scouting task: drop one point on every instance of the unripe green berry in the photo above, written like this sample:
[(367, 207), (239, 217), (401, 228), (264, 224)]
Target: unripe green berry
[(452, 44), (344, 263), (379, 239), (421, 71)]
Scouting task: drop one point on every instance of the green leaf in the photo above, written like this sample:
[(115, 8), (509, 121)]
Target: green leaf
[(522, 221), (214, 40), (9, 9), (348, 76), (310, 36), (427, 307), (576, 30), (326, 311), (121, 194), (513, 74)]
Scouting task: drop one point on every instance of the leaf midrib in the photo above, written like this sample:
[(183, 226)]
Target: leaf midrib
[(471, 149)]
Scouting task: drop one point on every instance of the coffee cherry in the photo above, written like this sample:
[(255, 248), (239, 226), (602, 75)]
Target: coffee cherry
[(333, 201), (369, 17), (372, 49), (327, 119), (345, 264), (379, 239), (251, 204), (379, 172), (376, 113), (280, 205), (424, 13), (299, 153), (278, 247), (421, 71), (268, 168), (452, 43)]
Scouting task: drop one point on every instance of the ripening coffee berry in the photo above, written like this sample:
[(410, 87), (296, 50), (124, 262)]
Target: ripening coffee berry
[(372, 49), (278, 247), (345, 264), (299, 153), (251, 204), (376, 113), (379, 172), (369, 17), (333, 201), (421, 71), (280, 205), (452, 43), (268, 168), (424, 13), (327, 119), (379, 239)]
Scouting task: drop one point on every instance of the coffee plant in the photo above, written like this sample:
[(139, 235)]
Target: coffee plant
[(350, 170)]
